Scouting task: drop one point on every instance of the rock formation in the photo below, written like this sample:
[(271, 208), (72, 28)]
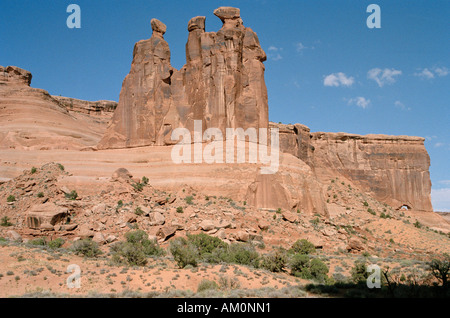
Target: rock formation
[(30, 118), (393, 169), (222, 84)]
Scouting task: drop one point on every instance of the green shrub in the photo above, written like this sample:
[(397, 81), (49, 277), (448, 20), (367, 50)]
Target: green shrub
[(183, 252), (189, 199), (236, 253), (303, 247), (38, 242), (10, 198), (308, 268), (417, 224), (371, 211), (138, 211), (5, 221), (145, 180), (207, 285), (180, 209), (61, 167), (299, 265), (138, 186), (318, 269), (135, 250), (205, 243), (365, 203), (56, 243), (33, 170), (274, 262), (40, 195), (128, 253), (137, 236), (359, 272), (72, 195), (86, 247)]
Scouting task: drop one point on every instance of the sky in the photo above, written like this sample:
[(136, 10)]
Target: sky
[(325, 69)]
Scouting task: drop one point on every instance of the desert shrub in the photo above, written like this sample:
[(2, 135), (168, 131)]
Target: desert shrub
[(359, 272), (237, 253), (38, 242), (275, 261), (299, 266), (5, 221), (56, 243), (205, 243), (365, 203), (145, 180), (308, 268), (206, 284), (183, 252), (72, 195), (61, 167), (86, 247), (33, 170), (244, 254), (303, 247), (189, 199), (318, 269), (40, 195), (180, 209), (136, 249), (128, 253), (10, 198), (138, 211), (417, 224), (137, 236), (138, 186), (371, 211)]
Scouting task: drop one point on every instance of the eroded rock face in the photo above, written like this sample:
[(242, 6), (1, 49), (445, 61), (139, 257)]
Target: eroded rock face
[(13, 75), (393, 169), (222, 84), (30, 118)]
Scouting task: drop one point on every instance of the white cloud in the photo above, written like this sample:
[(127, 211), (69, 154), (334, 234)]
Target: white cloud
[(438, 144), (441, 71), (433, 72), (274, 53), (425, 73), (382, 77), (299, 47), (400, 105), (359, 101), (338, 79), (441, 199)]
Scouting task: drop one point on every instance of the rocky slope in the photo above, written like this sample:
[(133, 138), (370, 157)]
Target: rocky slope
[(30, 118)]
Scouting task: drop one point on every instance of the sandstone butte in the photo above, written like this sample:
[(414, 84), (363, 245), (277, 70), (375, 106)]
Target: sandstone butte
[(222, 84)]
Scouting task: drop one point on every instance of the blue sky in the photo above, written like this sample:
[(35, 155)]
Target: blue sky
[(325, 69)]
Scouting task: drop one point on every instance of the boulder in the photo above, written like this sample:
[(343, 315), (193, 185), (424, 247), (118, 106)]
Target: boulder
[(355, 245), (156, 218), (165, 232), (13, 236), (207, 225), (47, 213), (121, 174)]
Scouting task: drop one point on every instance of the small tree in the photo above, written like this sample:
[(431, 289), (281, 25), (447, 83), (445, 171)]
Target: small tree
[(441, 269)]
